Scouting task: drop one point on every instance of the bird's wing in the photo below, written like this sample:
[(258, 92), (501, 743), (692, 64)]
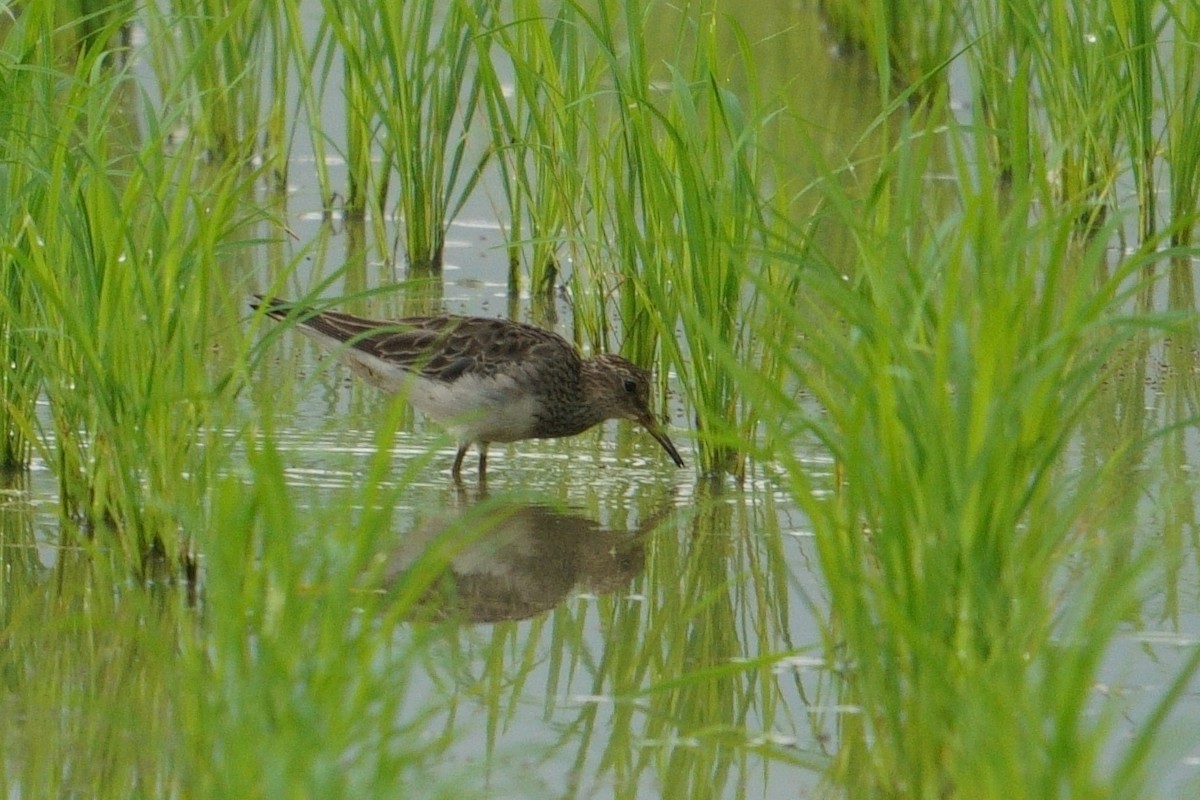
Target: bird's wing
[(449, 347), (446, 346)]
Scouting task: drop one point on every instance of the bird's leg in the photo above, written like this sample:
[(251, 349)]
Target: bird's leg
[(456, 471), (482, 461)]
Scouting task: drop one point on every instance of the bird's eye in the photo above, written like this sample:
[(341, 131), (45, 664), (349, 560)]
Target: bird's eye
[(630, 385)]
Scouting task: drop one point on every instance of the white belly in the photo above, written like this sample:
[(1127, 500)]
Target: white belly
[(475, 409), (496, 409)]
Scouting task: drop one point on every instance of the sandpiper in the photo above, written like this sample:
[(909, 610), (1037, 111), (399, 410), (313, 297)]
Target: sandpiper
[(486, 380)]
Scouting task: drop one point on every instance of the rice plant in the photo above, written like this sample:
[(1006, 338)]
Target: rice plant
[(909, 42), (539, 134), (676, 214), (1073, 66), (1180, 79), (1136, 29), (938, 325), (19, 380), (952, 369), (102, 25), (414, 91), (28, 127), (1000, 58), (210, 57), (112, 313)]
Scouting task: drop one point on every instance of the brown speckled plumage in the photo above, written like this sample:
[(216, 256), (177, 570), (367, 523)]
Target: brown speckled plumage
[(487, 380)]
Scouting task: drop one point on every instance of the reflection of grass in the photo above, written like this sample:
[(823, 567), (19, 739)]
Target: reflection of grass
[(300, 659), (95, 678), (286, 679), (679, 690)]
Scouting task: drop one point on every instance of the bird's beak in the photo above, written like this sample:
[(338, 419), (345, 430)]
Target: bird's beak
[(655, 429)]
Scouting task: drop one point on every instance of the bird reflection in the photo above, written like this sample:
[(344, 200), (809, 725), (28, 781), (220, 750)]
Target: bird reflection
[(503, 560)]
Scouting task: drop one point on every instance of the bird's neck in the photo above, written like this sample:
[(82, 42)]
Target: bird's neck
[(582, 409)]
